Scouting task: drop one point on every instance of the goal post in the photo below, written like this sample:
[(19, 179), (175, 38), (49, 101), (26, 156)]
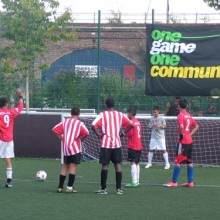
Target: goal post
[(206, 146)]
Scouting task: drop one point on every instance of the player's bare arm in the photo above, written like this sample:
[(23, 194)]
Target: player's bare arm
[(99, 135), (150, 125), (194, 130), (162, 126), (181, 131), (60, 136), (19, 94), (128, 128)]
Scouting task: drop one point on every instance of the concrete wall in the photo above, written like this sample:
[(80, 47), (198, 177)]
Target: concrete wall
[(34, 138)]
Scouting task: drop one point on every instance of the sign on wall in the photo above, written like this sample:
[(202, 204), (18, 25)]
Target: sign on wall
[(90, 71), (183, 60)]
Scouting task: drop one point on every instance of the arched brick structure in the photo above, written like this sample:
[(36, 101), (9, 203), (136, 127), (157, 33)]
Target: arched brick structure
[(127, 40)]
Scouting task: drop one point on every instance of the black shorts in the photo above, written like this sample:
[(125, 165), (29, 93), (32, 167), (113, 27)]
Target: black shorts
[(110, 155), (73, 159), (185, 150), (134, 155)]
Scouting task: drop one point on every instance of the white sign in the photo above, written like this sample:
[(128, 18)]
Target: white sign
[(89, 71)]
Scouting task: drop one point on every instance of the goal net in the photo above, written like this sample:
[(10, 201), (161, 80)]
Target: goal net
[(206, 147)]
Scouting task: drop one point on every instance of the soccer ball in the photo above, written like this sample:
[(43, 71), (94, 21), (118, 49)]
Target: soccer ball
[(41, 175)]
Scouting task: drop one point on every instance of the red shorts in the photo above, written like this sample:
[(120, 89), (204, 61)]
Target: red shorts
[(183, 153)]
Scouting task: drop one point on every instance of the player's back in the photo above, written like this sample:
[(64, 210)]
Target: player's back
[(111, 122), (187, 121), (134, 135), (72, 129), (6, 124)]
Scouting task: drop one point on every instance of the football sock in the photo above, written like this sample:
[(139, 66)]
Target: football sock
[(71, 180), (9, 180), (118, 179), (9, 174), (134, 173), (104, 174), (190, 173), (150, 157), (176, 172), (61, 182), (165, 156), (138, 172)]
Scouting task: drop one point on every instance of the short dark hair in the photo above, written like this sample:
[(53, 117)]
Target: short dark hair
[(3, 101), (177, 97), (75, 111), (109, 102), (156, 108), (183, 103), (133, 111)]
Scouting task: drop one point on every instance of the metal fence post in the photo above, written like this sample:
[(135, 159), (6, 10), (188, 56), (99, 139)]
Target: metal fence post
[(98, 62)]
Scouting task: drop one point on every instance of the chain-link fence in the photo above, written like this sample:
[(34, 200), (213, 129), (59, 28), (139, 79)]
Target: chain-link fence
[(107, 60)]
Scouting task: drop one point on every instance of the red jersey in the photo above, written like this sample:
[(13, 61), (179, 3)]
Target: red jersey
[(111, 122), (72, 130), (7, 122), (187, 121), (134, 136)]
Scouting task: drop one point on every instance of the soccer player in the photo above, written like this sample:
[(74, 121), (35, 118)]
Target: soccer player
[(7, 117), (187, 126), (157, 141), (72, 132), (107, 126), (134, 146)]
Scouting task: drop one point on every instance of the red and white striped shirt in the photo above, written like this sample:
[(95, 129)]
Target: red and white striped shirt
[(72, 130), (110, 123)]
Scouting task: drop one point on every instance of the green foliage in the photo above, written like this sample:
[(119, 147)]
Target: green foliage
[(68, 89), (213, 4), (28, 25)]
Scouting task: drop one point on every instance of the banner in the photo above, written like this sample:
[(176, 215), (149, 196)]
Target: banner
[(183, 60)]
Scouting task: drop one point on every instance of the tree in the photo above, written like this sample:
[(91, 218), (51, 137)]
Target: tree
[(116, 18), (213, 4), (27, 26)]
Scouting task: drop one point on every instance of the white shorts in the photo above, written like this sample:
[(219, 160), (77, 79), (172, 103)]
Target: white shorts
[(7, 149), (157, 144)]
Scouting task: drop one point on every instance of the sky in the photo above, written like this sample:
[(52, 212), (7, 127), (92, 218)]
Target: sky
[(137, 6), (84, 10)]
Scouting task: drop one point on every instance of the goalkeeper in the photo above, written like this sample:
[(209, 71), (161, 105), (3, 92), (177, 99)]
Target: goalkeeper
[(157, 141), (184, 146)]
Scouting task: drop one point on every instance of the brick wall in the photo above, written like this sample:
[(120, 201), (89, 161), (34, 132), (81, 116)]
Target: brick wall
[(128, 40)]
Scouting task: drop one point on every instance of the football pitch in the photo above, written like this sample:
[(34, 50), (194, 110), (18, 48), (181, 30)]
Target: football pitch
[(32, 199)]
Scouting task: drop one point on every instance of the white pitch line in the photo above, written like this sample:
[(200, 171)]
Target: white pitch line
[(109, 183)]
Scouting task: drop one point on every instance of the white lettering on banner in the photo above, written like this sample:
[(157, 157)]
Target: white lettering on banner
[(171, 47), (89, 70)]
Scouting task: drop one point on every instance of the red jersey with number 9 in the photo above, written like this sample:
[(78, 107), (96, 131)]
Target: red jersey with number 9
[(7, 122), (188, 122)]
